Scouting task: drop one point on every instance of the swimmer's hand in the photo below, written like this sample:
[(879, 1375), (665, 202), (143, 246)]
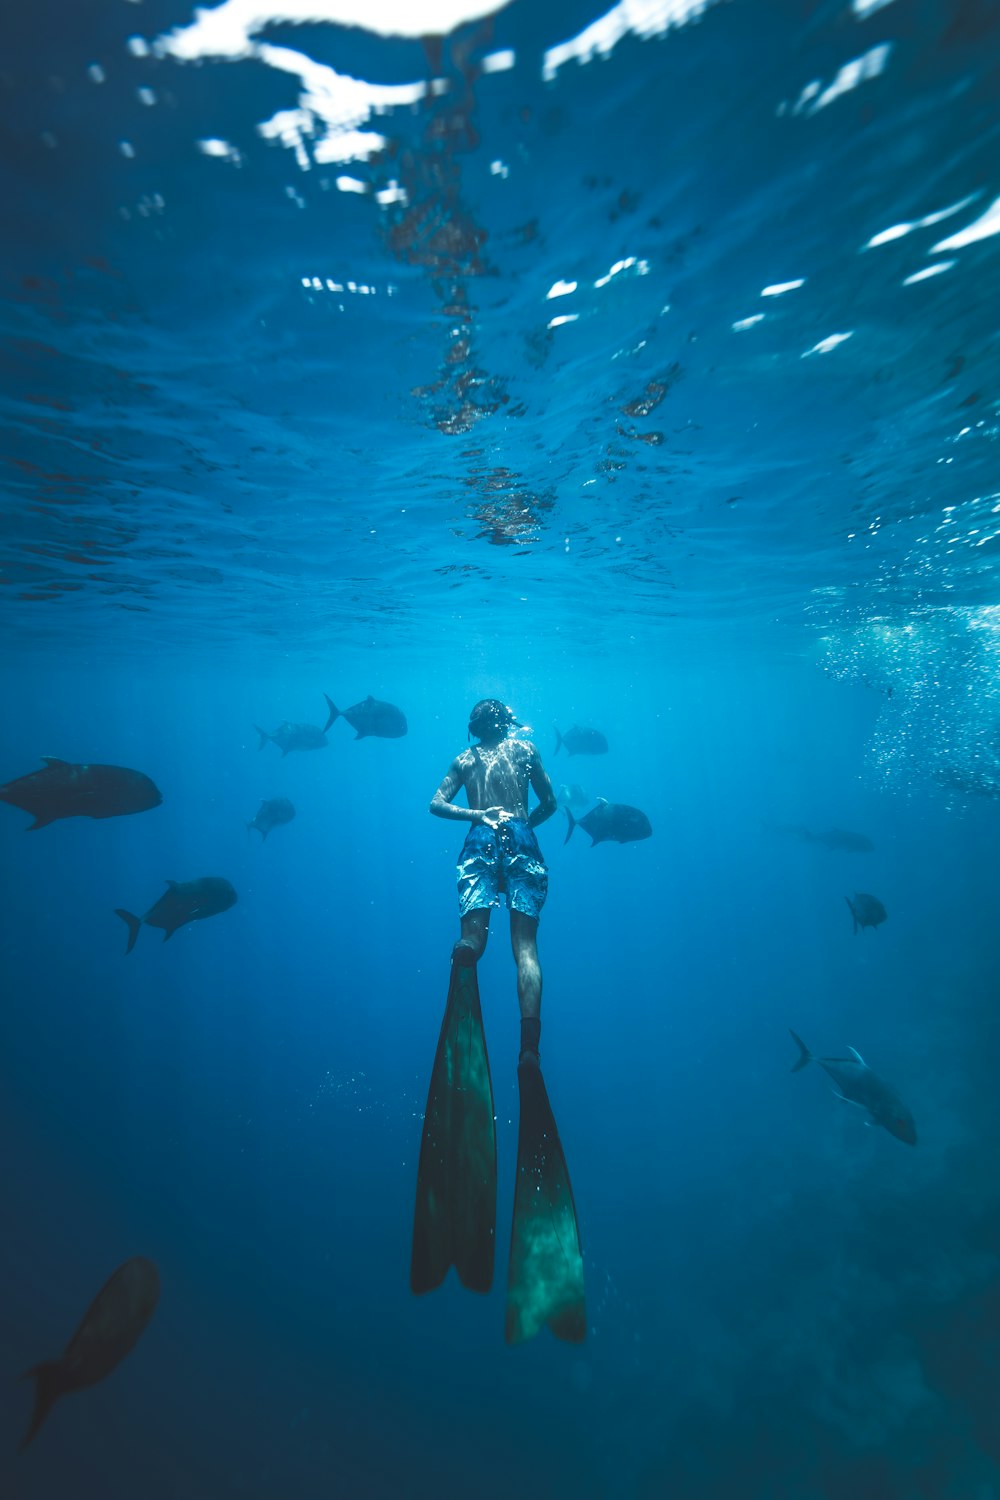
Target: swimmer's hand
[(494, 816)]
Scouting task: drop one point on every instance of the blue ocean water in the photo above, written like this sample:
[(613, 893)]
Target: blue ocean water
[(637, 366)]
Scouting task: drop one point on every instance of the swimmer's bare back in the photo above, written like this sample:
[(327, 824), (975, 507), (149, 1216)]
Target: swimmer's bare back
[(496, 780)]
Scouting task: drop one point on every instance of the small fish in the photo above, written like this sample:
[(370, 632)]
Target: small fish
[(833, 838), (841, 838), (110, 1329), (611, 820), (290, 736), (855, 1083), (579, 741), (867, 911), (271, 814), (574, 796), (978, 783), (183, 901), (67, 790), (371, 718)]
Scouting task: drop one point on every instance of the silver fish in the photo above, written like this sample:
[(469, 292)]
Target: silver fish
[(109, 1330), (855, 1083), (67, 790), (581, 741), (607, 821), (271, 814), (290, 736), (866, 910), (832, 838), (382, 721), (183, 901)]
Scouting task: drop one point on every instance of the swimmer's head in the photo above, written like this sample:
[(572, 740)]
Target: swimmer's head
[(491, 718)]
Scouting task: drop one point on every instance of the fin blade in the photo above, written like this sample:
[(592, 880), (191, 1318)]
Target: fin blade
[(264, 736), (454, 1218), (545, 1285), (572, 825), (334, 712), (854, 919)]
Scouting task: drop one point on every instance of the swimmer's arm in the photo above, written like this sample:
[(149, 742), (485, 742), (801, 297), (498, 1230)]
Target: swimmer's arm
[(542, 788), (442, 803)]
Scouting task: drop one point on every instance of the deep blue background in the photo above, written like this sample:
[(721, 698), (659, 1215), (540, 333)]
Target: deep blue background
[(764, 1272)]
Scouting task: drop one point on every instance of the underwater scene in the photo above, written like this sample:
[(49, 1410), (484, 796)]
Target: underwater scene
[(500, 755)]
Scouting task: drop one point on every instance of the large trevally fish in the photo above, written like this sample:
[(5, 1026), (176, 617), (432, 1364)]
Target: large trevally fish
[(109, 1330), (609, 821), (370, 718), (581, 741), (855, 1083), (65, 789), (183, 901), (273, 811)]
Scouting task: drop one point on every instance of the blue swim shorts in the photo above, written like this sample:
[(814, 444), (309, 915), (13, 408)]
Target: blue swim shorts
[(504, 859)]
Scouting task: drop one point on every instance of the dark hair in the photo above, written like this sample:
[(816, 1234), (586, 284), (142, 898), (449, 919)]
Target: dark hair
[(490, 713)]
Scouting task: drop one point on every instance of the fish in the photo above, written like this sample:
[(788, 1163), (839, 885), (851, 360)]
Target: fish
[(68, 790), (110, 1328), (867, 911), (183, 901), (290, 736), (580, 741), (370, 718), (855, 1083), (611, 820), (840, 838), (832, 838), (980, 782), (271, 814), (574, 796)]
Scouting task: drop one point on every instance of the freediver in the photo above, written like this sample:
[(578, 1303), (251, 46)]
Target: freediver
[(454, 1220), (501, 852)]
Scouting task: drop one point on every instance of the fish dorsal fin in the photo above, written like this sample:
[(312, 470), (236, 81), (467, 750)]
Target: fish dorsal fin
[(369, 699), (602, 801), (172, 885), (857, 1057), (53, 760)]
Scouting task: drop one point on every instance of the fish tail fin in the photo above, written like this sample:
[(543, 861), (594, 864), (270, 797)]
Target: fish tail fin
[(133, 923), (334, 712), (48, 1388), (854, 915), (806, 1055), (572, 825), (264, 736), (559, 741)]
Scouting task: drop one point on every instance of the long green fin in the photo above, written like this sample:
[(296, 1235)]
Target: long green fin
[(545, 1279), (454, 1221)]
